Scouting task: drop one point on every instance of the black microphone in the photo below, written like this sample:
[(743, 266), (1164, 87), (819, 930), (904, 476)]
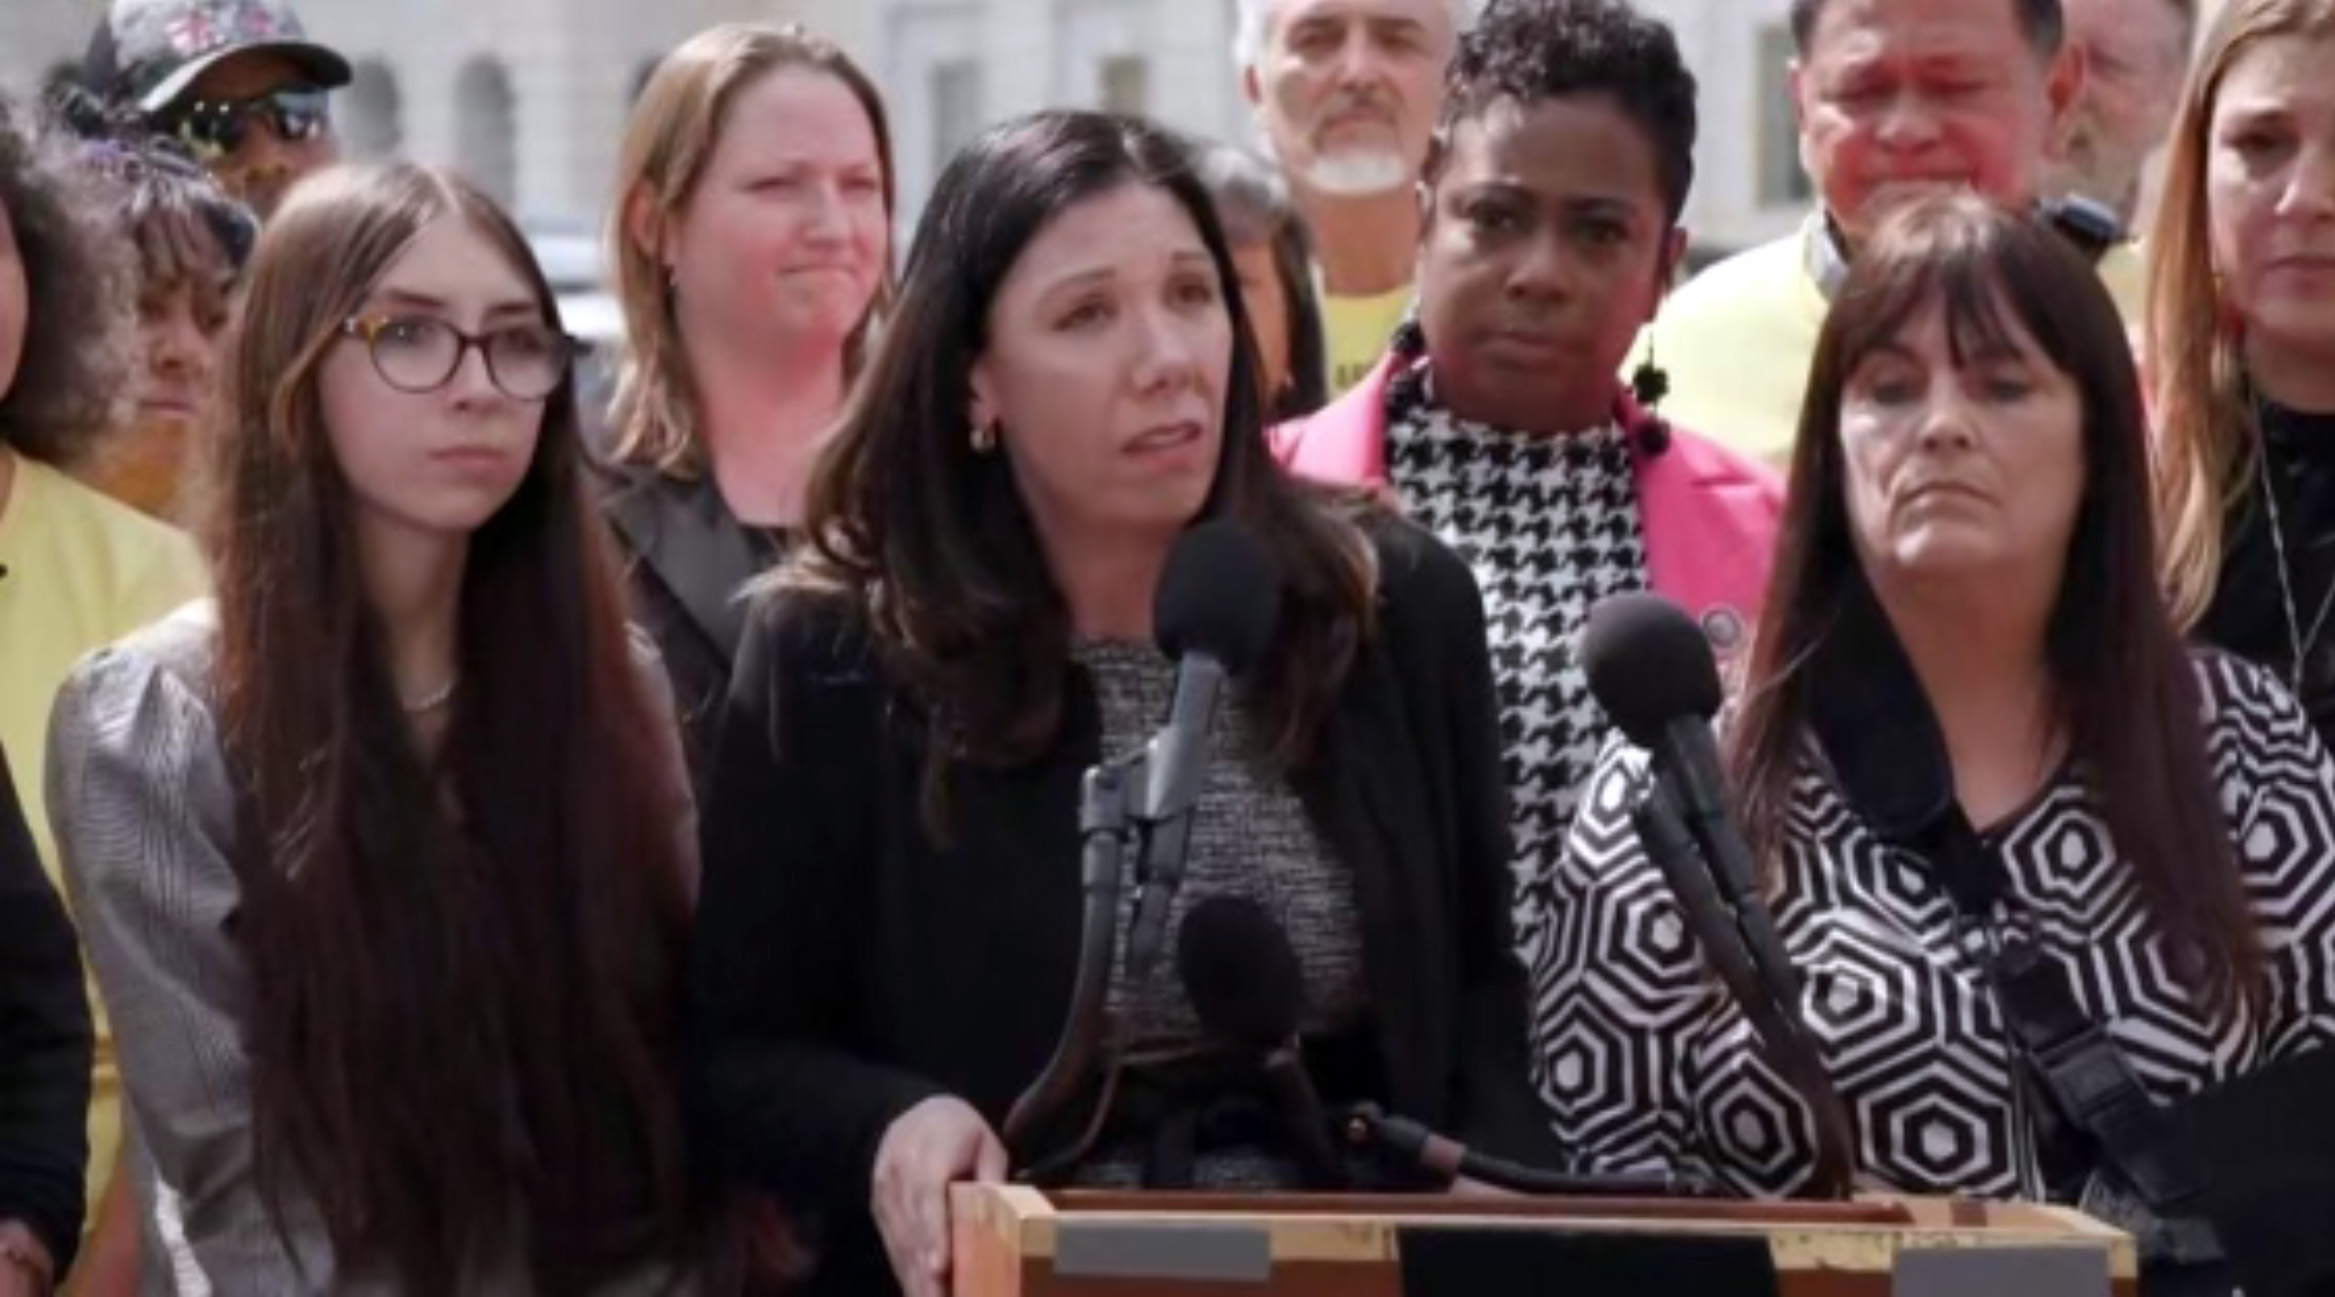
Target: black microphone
[(1248, 990), (1215, 611), (1247, 987), (1651, 671)]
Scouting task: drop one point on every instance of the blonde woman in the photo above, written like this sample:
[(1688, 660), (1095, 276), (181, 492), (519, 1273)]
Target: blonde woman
[(752, 238), (2241, 343)]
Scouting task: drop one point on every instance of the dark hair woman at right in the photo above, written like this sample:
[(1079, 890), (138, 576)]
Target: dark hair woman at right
[(1275, 256), (385, 857), (892, 919), (1969, 727)]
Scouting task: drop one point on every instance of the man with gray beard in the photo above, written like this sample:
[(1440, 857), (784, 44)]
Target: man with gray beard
[(1346, 93)]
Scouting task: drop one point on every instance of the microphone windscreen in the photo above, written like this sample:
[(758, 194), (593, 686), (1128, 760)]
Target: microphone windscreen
[(1648, 664), (1240, 972), (1218, 596)]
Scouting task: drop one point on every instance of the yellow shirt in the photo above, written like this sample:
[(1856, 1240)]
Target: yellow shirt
[(1355, 333), (1736, 342), (77, 571)]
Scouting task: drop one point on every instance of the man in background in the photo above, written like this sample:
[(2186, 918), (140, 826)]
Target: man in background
[(2136, 57), (237, 82), (1346, 93), (1896, 98)]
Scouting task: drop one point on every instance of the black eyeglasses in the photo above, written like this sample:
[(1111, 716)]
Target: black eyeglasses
[(417, 354), (216, 128)]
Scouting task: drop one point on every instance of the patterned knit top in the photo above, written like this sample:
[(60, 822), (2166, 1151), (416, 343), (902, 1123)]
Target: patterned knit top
[(1250, 838)]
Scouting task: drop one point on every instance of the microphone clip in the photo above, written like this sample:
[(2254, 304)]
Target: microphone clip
[(1163, 780)]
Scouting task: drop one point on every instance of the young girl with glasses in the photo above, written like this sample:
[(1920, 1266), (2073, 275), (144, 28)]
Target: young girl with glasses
[(385, 856)]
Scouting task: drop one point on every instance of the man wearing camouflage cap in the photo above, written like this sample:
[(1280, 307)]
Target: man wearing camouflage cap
[(237, 82)]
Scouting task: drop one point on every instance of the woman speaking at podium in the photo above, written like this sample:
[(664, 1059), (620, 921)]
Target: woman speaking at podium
[(1969, 733), (890, 925)]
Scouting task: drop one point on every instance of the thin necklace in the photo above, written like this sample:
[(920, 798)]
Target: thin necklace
[(2296, 639), (436, 700)]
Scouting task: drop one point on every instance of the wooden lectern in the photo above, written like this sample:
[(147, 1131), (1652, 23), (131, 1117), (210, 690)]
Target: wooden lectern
[(1014, 1241)]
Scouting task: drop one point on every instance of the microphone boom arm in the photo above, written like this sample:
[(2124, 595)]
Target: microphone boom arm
[(1662, 828), (1103, 828)]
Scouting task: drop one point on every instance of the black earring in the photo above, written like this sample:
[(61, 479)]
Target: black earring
[(1649, 382)]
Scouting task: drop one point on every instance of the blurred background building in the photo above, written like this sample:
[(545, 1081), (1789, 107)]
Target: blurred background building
[(529, 96)]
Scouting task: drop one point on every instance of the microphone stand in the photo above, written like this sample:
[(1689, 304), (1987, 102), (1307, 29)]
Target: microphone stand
[(1370, 1127), (1144, 800), (1720, 930), (1104, 826)]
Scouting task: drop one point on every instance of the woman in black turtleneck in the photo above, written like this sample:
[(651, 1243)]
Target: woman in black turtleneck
[(2279, 547), (2241, 344)]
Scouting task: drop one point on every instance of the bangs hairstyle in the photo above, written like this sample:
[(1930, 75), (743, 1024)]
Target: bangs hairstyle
[(930, 540), (418, 987), (2124, 688), (676, 125), (186, 229), (2206, 438), (79, 338)]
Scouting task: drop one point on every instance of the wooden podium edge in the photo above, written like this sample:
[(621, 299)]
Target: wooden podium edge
[(1028, 1223)]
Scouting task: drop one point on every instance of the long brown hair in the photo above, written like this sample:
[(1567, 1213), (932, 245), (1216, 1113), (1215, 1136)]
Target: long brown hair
[(932, 539), (675, 126), (2123, 684), (459, 1032), (2206, 441)]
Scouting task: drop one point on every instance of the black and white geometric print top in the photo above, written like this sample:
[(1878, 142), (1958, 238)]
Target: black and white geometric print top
[(1650, 1065), (1549, 525)]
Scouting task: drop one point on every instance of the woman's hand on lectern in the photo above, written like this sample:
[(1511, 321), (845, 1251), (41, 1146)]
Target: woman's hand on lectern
[(936, 1143)]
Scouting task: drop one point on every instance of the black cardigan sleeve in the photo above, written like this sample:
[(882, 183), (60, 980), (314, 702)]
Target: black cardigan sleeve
[(1494, 1106), (785, 1102), (45, 1045)]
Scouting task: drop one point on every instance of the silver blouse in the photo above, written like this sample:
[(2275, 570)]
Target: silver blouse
[(138, 793)]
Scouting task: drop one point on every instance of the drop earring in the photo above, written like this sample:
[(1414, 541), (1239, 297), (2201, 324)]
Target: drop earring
[(1649, 382), (984, 437)]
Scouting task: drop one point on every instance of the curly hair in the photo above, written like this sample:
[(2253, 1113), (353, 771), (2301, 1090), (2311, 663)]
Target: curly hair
[(77, 337), (1527, 51)]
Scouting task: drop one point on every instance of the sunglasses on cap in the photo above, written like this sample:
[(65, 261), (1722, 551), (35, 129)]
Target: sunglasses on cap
[(216, 128)]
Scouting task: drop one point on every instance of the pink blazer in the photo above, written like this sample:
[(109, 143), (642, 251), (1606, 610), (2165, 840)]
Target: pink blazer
[(1710, 516)]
